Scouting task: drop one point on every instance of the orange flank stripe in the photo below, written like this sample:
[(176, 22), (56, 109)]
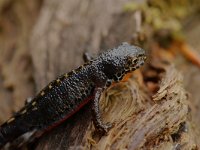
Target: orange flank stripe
[(126, 77)]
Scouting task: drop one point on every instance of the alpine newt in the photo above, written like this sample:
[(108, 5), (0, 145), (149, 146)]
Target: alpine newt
[(64, 96)]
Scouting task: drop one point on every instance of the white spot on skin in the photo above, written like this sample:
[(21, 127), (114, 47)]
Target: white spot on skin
[(34, 103), (58, 80), (42, 93), (23, 112), (10, 120), (66, 75), (50, 86), (34, 108)]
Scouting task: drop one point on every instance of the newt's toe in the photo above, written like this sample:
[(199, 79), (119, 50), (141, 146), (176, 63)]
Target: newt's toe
[(104, 128)]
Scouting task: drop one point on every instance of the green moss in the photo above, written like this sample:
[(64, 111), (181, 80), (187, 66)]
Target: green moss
[(166, 14)]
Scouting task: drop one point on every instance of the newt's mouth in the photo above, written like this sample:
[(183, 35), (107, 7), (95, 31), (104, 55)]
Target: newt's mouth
[(136, 63), (140, 61)]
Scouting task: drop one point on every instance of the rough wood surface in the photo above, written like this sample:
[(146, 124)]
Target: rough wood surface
[(16, 79)]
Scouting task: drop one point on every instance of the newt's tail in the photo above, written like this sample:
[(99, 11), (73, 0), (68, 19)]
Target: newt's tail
[(2, 139), (10, 131)]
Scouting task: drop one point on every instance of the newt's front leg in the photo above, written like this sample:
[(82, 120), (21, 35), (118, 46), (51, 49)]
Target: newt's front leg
[(99, 125)]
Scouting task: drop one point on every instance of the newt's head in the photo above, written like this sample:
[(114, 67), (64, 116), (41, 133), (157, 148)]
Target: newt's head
[(125, 58)]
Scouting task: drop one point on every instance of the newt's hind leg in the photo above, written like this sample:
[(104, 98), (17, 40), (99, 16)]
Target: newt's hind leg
[(99, 125), (87, 57), (28, 100)]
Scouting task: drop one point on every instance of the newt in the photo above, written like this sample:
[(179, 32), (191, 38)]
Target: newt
[(67, 94)]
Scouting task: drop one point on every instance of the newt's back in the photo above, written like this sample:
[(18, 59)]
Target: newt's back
[(68, 93), (55, 103)]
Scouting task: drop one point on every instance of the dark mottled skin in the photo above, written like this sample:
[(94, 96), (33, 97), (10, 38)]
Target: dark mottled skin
[(69, 92)]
